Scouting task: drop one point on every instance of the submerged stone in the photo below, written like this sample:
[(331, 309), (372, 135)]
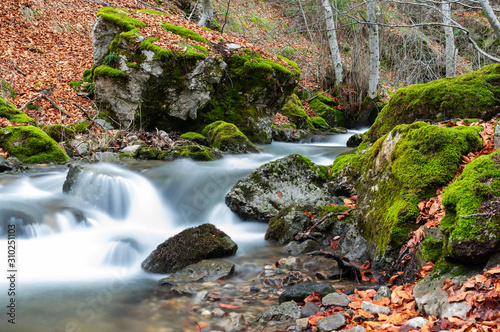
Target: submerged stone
[(188, 247)]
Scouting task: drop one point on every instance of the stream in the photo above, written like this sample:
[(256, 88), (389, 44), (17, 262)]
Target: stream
[(78, 266)]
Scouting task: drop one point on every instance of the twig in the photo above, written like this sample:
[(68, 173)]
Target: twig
[(225, 17), (328, 215), (315, 96), (88, 115), (17, 69)]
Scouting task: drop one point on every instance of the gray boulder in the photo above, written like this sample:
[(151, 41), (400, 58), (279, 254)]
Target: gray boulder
[(277, 185), (183, 90), (190, 246), (336, 300), (206, 270), (332, 323), (286, 312), (296, 248), (302, 290)]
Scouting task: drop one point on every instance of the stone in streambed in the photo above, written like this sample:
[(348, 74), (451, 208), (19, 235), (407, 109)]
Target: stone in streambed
[(336, 300), (207, 270), (188, 247), (331, 323), (300, 291), (286, 312)]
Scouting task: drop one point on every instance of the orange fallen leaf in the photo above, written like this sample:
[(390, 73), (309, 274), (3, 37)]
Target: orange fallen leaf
[(228, 306)]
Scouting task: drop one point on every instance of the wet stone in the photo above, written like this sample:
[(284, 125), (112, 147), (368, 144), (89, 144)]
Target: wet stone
[(330, 323), (383, 292), (336, 300), (296, 248), (309, 309), (290, 263), (374, 308), (300, 291)]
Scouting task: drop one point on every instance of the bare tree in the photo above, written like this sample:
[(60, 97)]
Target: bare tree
[(207, 13), (490, 16), (451, 68), (374, 49), (332, 41)]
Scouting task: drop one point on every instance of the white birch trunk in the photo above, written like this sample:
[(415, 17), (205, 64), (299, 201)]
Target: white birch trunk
[(207, 13), (332, 41), (374, 49), (450, 41), (490, 16)]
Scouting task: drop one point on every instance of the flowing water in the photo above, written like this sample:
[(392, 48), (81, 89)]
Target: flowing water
[(78, 256)]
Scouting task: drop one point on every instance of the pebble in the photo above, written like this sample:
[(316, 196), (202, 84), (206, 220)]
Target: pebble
[(417, 322), (333, 322), (383, 292), (373, 308), (336, 300), (218, 312), (206, 313)]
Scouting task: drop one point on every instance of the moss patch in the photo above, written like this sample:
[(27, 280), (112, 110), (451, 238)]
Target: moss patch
[(195, 137), (109, 72), (120, 18), (193, 152), (59, 132), (11, 113), (227, 137), (325, 107), (473, 95), (183, 32), (31, 145), (471, 232)]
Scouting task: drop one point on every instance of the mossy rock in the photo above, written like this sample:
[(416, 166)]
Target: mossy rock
[(277, 185), (81, 127), (325, 107), (195, 137), (295, 112), (188, 247), (11, 113), (31, 145), (473, 95), (228, 138), (472, 202), (148, 153), (400, 170), (59, 132), (193, 151)]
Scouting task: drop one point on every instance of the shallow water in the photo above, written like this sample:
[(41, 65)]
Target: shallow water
[(78, 259)]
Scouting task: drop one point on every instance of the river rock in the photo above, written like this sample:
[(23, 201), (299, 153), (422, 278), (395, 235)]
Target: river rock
[(354, 141), (192, 151), (181, 91), (237, 323), (331, 323), (383, 292), (297, 248), (290, 263), (336, 300), (309, 309), (417, 322), (188, 247), (206, 270), (286, 312), (277, 185), (433, 301), (302, 290), (374, 308), (228, 138), (357, 328)]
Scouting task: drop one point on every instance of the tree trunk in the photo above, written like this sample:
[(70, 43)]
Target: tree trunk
[(332, 41), (207, 13), (374, 50), (450, 42), (490, 16)]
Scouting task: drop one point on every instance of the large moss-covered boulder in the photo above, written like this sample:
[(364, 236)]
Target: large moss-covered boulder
[(325, 106), (190, 246), (472, 204), (228, 138), (400, 170), (473, 95), (278, 184), (295, 112), (31, 145), (11, 113), (188, 84)]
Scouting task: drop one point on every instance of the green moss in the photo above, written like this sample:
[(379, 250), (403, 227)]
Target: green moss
[(473, 95), (475, 191), (193, 152), (31, 145), (318, 122), (195, 137), (148, 153), (324, 106), (291, 64), (59, 132), (160, 53), (432, 250), (11, 113), (227, 137), (183, 32), (109, 72), (110, 59), (154, 12), (295, 112), (75, 85), (132, 65), (120, 18), (87, 75), (424, 159), (81, 127)]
